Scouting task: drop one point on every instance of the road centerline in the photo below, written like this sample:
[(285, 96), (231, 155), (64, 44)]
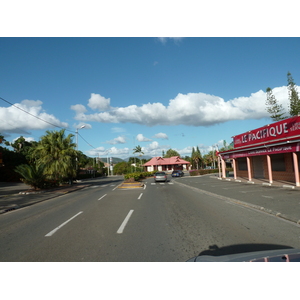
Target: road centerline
[(63, 224), (121, 229), (140, 196)]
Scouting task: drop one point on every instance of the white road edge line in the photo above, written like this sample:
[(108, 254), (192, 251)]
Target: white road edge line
[(63, 224), (121, 229), (102, 197), (140, 196)]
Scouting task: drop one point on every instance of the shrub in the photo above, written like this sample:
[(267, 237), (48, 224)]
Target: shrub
[(138, 175), (32, 175), (194, 172)]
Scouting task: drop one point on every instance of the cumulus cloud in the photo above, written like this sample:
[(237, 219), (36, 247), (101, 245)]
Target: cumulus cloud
[(15, 120), (79, 108), (97, 102), (161, 135), (154, 146), (113, 151), (118, 140), (192, 109), (141, 138)]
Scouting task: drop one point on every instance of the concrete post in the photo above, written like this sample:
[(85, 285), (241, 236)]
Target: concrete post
[(270, 169)]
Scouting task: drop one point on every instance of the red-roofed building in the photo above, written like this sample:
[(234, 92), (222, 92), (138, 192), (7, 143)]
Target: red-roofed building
[(166, 164)]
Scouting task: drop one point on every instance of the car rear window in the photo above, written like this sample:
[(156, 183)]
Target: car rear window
[(160, 174)]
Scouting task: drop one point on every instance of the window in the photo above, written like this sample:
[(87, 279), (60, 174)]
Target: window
[(242, 164), (278, 163)]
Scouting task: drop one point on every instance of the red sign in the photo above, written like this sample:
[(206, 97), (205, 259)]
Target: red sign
[(276, 131), (295, 147)]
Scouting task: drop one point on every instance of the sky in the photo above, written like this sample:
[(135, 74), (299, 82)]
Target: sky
[(159, 93)]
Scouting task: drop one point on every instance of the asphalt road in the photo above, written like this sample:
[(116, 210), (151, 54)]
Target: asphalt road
[(161, 222)]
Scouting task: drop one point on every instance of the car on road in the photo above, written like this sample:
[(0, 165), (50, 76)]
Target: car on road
[(177, 173), (160, 176)]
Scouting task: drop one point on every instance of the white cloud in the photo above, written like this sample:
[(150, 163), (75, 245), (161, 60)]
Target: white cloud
[(118, 140), (153, 146), (187, 151), (141, 138), (16, 120), (79, 108), (161, 135), (193, 109), (98, 102), (113, 151)]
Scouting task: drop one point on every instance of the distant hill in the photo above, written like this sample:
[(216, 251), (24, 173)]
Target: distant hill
[(115, 160)]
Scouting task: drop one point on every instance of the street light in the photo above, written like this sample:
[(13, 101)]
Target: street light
[(77, 135), (77, 145)]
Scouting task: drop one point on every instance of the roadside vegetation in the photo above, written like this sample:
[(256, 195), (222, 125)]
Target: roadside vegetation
[(51, 162)]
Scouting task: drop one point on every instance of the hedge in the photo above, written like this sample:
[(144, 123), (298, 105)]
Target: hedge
[(139, 175), (208, 171)]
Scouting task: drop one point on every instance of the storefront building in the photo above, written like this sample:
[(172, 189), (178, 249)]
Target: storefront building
[(166, 164), (270, 152)]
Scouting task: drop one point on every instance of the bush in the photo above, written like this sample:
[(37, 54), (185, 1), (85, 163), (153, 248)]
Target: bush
[(139, 175), (32, 175), (208, 171), (194, 172)]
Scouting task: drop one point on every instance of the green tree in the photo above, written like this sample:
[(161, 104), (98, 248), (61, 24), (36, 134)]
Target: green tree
[(138, 149), (293, 96), (121, 168), (32, 175), (196, 157), (58, 155), (275, 110), (171, 153)]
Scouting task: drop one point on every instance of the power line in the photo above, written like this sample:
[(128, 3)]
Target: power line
[(86, 141)]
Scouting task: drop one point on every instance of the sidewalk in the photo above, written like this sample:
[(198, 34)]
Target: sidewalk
[(18, 195), (283, 208)]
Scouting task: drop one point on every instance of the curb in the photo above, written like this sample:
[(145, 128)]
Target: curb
[(133, 185)]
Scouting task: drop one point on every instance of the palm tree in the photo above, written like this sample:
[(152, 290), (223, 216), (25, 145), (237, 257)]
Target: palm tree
[(196, 157), (138, 149), (32, 175), (57, 153)]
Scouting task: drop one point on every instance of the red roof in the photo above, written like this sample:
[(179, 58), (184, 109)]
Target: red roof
[(159, 161)]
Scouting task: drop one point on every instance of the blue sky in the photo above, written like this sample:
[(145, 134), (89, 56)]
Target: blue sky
[(159, 93)]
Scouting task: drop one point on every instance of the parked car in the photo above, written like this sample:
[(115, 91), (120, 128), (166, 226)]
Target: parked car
[(160, 176), (177, 173)]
